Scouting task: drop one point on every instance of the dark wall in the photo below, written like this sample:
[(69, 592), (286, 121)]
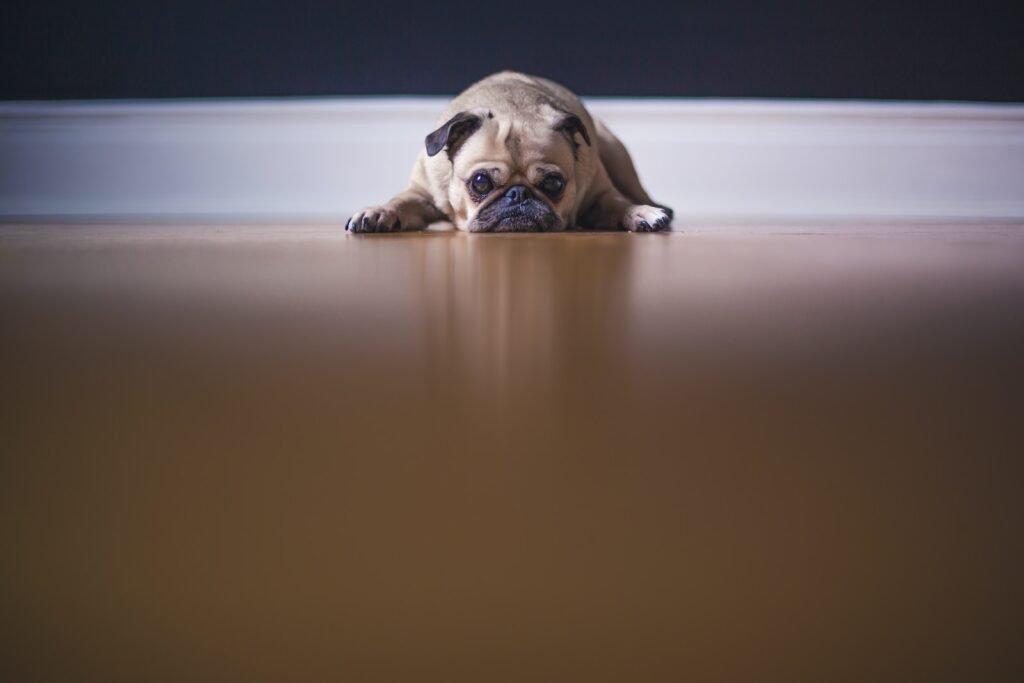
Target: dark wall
[(59, 49)]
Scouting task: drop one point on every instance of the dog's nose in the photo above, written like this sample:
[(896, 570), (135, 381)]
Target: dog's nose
[(517, 194)]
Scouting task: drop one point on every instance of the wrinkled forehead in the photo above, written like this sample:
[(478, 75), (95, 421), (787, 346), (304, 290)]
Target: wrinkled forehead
[(518, 144)]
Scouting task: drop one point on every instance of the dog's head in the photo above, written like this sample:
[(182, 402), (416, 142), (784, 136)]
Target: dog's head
[(511, 171)]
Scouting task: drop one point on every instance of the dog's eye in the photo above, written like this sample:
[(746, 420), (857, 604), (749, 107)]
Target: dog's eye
[(481, 184), (552, 185)]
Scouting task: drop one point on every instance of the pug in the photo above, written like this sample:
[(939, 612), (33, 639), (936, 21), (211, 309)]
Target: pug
[(518, 153)]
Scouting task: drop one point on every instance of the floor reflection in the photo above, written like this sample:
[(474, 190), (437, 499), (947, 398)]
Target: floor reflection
[(502, 314), (268, 453)]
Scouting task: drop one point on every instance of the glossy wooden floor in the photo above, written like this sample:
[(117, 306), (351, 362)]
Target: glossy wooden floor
[(284, 453)]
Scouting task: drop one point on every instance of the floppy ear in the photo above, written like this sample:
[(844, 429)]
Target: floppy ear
[(570, 124), (453, 133)]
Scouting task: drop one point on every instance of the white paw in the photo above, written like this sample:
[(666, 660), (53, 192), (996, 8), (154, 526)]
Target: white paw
[(640, 218)]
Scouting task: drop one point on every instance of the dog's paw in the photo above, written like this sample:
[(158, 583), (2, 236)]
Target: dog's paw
[(640, 218), (374, 219)]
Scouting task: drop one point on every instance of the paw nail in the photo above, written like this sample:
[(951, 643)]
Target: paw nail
[(644, 225)]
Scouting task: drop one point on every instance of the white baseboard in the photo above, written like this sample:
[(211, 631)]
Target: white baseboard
[(320, 159)]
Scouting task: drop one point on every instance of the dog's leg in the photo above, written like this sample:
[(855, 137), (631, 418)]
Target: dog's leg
[(413, 209), (620, 168), (409, 210), (610, 210)]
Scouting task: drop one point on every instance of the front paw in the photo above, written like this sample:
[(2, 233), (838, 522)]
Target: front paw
[(374, 219), (640, 218)]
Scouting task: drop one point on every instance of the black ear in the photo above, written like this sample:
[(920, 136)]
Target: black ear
[(453, 133), (570, 124)]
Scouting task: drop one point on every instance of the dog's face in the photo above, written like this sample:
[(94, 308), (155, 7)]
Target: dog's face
[(511, 173)]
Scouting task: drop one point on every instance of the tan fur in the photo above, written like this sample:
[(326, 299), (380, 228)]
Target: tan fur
[(518, 144)]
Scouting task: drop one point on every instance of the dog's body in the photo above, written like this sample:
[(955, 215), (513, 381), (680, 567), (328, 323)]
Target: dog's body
[(519, 153)]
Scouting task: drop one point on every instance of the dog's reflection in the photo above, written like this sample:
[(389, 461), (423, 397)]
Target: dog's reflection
[(507, 312)]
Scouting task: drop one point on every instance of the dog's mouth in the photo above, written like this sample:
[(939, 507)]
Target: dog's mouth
[(530, 216)]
